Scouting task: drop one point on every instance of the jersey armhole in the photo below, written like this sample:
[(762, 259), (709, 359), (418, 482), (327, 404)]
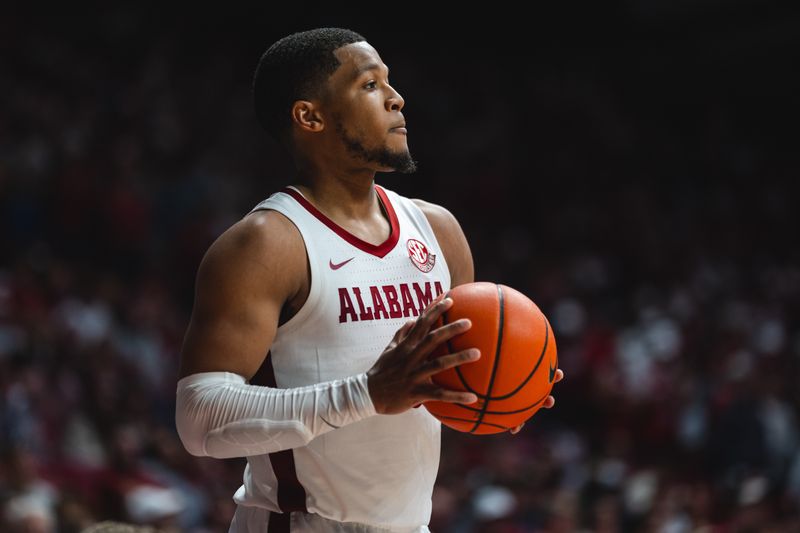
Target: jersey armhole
[(314, 284)]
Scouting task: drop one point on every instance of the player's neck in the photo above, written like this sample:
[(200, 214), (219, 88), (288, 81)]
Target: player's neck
[(350, 197)]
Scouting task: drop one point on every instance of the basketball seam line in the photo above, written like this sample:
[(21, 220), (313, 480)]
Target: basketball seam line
[(461, 377), (535, 368), (547, 323), (534, 404), (496, 361), (468, 420)]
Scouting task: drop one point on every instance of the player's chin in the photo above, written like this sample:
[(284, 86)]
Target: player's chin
[(396, 161), (405, 166)]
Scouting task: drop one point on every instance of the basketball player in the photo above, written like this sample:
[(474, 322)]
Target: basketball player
[(314, 314)]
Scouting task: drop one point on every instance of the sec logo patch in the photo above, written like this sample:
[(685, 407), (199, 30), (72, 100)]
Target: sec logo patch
[(418, 253)]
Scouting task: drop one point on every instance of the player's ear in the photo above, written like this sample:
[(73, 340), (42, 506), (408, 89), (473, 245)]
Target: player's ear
[(306, 115)]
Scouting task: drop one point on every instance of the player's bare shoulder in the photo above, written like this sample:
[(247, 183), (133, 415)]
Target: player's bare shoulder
[(452, 240), (435, 213), (263, 253), (264, 241)]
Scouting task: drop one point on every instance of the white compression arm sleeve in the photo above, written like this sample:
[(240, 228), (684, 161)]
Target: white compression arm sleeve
[(219, 415)]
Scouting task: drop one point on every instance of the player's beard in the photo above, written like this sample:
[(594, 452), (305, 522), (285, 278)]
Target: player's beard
[(400, 161)]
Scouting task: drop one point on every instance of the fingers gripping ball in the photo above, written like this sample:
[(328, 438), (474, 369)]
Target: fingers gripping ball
[(518, 361)]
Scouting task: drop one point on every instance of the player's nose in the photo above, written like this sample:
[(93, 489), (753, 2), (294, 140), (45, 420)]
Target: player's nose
[(394, 102)]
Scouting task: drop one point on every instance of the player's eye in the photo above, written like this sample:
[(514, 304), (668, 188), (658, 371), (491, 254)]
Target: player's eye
[(371, 85)]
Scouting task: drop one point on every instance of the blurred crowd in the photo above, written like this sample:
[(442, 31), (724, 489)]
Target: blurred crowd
[(640, 195)]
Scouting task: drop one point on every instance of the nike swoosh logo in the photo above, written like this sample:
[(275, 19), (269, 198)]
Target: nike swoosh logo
[(552, 372), (337, 266)]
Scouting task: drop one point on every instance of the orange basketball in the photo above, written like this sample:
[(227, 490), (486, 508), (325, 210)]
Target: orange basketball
[(518, 360)]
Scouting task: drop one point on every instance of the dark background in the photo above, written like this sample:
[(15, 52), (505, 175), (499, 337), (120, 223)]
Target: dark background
[(630, 166)]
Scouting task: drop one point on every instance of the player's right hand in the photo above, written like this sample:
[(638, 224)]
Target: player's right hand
[(401, 377)]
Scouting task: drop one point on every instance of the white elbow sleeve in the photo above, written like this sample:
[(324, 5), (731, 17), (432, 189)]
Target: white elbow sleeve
[(218, 414)]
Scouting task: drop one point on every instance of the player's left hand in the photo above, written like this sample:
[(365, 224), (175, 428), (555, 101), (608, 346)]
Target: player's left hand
[(548, 402)]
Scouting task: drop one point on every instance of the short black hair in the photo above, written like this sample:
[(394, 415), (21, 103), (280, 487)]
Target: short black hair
[(295, 68)]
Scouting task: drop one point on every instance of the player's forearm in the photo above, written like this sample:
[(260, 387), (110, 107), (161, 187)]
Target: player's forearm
[(219, 415)]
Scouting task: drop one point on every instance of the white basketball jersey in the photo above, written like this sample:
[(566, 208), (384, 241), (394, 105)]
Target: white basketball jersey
[(379, 471)]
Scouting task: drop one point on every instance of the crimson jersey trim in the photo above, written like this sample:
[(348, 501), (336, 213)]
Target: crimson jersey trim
[(379, 250), (291, 493)]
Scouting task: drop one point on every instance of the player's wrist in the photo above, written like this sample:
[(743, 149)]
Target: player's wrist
[(362, 399), (374, 391)]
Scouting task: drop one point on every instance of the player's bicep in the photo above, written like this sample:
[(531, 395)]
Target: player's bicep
[(238, 299), (230, 329)]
